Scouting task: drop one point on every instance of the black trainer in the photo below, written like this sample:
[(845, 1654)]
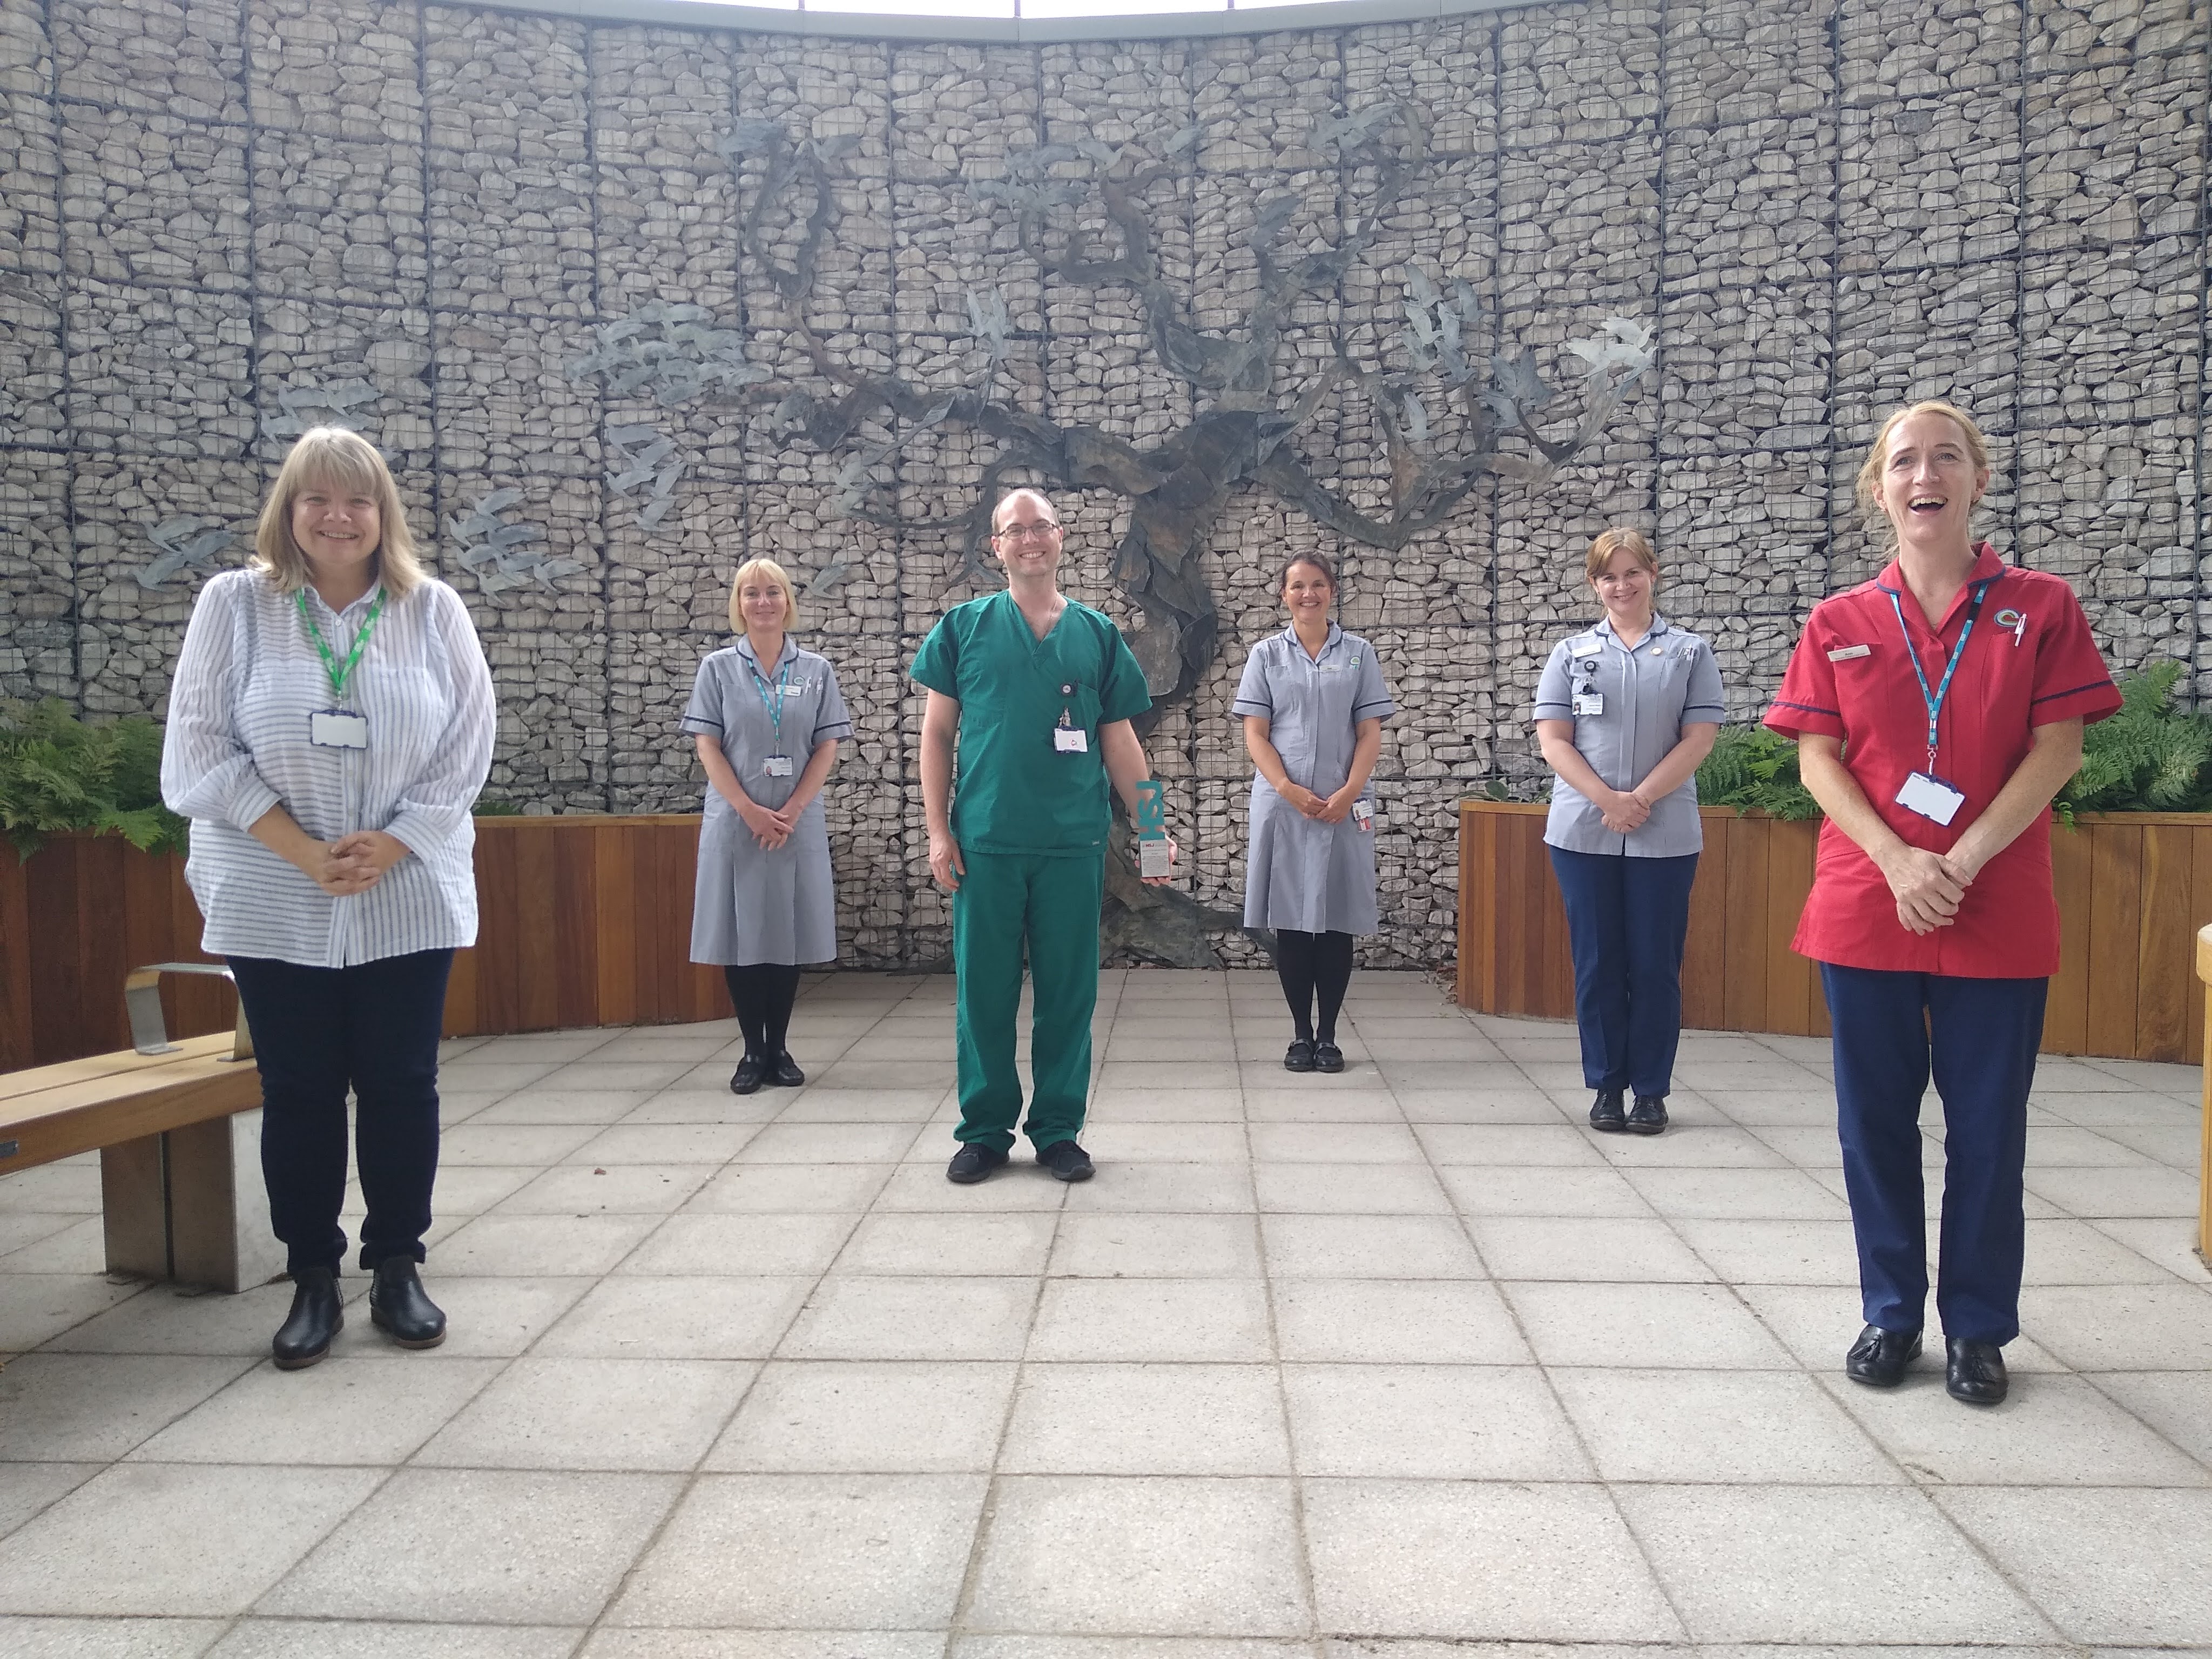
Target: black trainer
[(1606, 1112), (1648, 1116), (973, 1162), (318, 1314), (1066, 1160)]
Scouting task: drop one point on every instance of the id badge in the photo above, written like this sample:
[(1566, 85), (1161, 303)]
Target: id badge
[(1589, 702), (777, 766), (1071, 740), (1363, 812), (337, 728), (1931, 797)]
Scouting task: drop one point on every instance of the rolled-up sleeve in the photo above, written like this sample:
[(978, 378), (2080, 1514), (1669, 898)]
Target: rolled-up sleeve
[(1553, 696), (434, 807), (206, 772)]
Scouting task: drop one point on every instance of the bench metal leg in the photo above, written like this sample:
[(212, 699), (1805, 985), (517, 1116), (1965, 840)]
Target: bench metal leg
[(189, 1205)]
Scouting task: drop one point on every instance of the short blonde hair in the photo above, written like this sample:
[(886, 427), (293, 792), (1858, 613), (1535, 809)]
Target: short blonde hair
[(1619, 539), (1869, 479), (756, 570), (332, 458), (1012, 495)]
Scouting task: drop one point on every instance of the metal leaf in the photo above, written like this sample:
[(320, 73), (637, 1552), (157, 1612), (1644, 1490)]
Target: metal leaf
[(499, 501), (1417, 420), (1183, 140), (1517, 380), (655, 510)]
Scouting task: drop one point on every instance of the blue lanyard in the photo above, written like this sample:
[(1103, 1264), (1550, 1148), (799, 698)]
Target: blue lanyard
[(775, 709), (1934, 699)]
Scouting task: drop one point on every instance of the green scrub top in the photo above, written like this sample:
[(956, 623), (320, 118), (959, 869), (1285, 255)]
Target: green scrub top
[(1013, 791)]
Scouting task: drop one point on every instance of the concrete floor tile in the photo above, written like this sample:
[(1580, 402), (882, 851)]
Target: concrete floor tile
[(1726, 1195), (711, 1102), (1803, 1145), (1151, 1076), (1776, 1252), (81, 1248), (775, 1245), (317, 1638), (2150, 1190), (1076, 1419), (501, 1246), (490, 1317), (1166, 1188), (1832, 1564), (28, 1227), (2122, 1327), (918, 1068), (1481, 1561), (1732, 1427), (1296, 1105), (1541, 1191), (1132, 1320), (849, 1317), (2177, 1404), (540, 1107), (1092, 1246), (165, 1319), (779, 1187), (1019, 1185), (668, 1643), (2104, 1111), (654, 1318), (1431, 1422), (2077, 1252), (2108, 1567), (1334, 1144), (480, 1547), (30, 1487), (1801, 1108), (1488, 1105), (467, 1189), (1691, 1145), (868, 1417), (2180, 1144), (1004, 1244), (370, 1409), (2075, 1148), (472, 1074), (589, 1075), (66, 1408), (1693, 1327), (106, 1639), (830, 1105), (1197, 1557), (2050, 1432), (1164, 1143), (1166, 1106), (821, 1551), (1126, 1647), (593, 1413), (1605, 1248), (1495, 1146), (830, 1143), (514, 1145), (606, 1189), (710, 1144), (69, 1186), (1395, 1321), (174, 1539), (1368, 1247), (1350, 1189)]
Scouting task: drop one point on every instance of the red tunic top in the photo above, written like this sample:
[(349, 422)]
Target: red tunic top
[(2030, 662)]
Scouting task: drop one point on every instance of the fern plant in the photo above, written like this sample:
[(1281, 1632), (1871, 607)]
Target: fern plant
[(2148, 758), (57, 773), (1754, 770)]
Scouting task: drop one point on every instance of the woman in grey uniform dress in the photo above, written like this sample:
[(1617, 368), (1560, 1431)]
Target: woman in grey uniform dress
[(1313, 702), (766, 717)]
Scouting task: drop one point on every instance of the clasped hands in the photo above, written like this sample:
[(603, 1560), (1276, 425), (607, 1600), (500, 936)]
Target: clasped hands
[(770, 828), (1624, 810), (352, 864), (1328, 808), (1928, 887)]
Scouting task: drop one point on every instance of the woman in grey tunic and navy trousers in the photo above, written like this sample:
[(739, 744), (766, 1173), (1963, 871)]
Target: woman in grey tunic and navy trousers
[(766, 717), (330, 724), (1313, 702), (1624, 713)]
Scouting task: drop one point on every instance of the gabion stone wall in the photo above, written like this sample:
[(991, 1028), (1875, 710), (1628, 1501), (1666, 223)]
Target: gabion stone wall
[(425, 210)]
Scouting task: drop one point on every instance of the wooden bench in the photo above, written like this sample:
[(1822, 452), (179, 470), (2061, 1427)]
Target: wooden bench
[(178, 1132)]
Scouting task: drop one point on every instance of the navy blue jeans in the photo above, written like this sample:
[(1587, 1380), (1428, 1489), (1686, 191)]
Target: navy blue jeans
[(1978, 1037), (319, 1032), (1626, 919)]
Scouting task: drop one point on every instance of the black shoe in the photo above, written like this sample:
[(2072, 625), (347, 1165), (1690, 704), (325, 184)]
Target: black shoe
[(1328, 1057), (1648, 1116), (751, 1073), (1974, 1371), (1605, 1113), (1299, 1056), (1066, 1160), (1879, 1357), (397, 1307), (973, 1162), (785, 1073), (318, 1314)]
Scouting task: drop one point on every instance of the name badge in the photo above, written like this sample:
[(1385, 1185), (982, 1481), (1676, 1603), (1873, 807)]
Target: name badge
[(777, 766), (1589, 702), (1071, 740), (1846, 653), (337, 728), (1585, 649), (1931, 797), (1363, 813)]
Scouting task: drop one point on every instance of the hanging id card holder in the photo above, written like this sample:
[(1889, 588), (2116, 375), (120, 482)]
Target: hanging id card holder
[(1934, 798), (337, 728), (777, 766), (1068, 738)]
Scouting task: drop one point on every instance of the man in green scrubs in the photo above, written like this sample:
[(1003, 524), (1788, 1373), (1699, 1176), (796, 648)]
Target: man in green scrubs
[(1035, 693)]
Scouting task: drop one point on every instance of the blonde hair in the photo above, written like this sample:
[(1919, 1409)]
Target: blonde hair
[(1869, 479), (755, 570), (1619, 539), (331, 457)]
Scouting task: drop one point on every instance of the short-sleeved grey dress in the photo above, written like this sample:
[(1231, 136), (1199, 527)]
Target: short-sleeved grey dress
[(752, 905), (1300, 872)]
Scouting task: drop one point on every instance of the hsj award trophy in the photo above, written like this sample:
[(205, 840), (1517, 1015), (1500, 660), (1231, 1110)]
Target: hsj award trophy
[(1153, 850)]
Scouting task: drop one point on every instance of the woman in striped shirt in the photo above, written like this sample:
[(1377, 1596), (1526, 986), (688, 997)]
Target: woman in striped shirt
[(329, 725)]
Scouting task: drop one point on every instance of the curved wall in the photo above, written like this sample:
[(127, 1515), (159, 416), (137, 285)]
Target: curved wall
[(1823, 209)]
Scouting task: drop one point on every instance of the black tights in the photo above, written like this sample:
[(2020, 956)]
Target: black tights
[(1310, 963), (763, 991)]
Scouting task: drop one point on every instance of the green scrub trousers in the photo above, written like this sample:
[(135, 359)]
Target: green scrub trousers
[(1048, 903)]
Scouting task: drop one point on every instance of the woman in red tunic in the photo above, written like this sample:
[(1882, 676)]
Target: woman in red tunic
[(1938, 708)]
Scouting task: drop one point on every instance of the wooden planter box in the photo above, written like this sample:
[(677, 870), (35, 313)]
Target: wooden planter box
[(583, 920), (2133, 889)]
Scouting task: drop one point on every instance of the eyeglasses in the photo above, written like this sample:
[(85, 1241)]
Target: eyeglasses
[(1015, 532)]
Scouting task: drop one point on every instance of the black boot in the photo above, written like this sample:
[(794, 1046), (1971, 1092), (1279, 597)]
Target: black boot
[(317, 1315), (397, 1307)]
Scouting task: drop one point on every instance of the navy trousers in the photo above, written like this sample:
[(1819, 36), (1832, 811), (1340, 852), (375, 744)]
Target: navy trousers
[(319, 1032), (1979, 1037), (1626, 919)]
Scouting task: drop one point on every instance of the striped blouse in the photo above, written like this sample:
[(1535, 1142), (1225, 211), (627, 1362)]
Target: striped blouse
[(237, 745)]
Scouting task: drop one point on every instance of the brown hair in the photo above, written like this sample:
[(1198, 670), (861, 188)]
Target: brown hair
[(1869, 479), (331, 457), (1318, 561), (1619, 539), (753, 570)]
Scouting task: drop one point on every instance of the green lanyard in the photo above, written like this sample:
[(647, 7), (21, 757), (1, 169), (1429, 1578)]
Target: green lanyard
[(340, 672)]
